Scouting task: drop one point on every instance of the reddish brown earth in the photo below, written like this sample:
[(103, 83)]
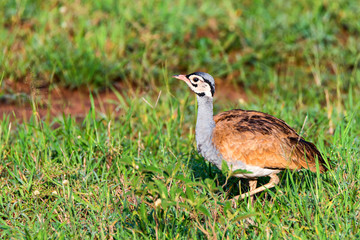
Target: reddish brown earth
[(57, 101), (228, 91)]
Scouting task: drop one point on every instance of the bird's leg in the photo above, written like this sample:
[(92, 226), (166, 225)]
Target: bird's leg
[(252, 185), (274, 180)]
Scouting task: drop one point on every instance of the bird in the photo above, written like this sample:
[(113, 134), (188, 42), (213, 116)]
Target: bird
[(256, 142)]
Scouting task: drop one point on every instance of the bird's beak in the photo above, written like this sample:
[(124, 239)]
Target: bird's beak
[(181, 77)]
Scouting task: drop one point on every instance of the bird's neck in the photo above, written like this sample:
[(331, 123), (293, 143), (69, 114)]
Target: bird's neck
[(205, 122)]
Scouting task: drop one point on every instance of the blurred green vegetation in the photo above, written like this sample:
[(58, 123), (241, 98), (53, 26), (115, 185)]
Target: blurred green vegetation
[(137, 174), (78, 43)]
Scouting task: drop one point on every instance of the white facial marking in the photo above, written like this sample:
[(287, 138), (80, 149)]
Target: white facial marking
[(198, 85)]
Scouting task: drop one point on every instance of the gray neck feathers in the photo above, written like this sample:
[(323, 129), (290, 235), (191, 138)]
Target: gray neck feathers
[(204, 128)]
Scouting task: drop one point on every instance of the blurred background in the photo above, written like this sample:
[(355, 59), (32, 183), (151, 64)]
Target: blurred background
[(97, 139), (55, 52)]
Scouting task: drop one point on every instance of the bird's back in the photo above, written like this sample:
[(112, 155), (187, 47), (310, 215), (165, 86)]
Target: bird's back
[(259, 139)]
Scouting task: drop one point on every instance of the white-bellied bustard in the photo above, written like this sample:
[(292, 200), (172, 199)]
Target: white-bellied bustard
[(253, 141)]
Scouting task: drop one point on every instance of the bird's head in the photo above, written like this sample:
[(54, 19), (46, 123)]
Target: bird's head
[(203, 84)]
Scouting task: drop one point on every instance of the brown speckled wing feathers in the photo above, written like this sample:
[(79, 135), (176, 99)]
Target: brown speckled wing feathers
[(259, 139)]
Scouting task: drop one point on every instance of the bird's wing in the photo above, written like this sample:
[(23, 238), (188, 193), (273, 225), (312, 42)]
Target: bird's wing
[(259, 139)]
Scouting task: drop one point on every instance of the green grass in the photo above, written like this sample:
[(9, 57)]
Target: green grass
[(105, 176)]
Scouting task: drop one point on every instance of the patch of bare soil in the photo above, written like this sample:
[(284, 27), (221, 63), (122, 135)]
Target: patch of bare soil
[(228, 91), (19, 102)]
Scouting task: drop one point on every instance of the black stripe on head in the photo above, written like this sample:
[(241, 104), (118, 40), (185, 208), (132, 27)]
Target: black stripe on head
[(188, 76), (201, 94), (211, 87), (201, 74)]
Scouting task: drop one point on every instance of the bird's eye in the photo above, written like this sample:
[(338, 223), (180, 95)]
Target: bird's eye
[(195, 79)]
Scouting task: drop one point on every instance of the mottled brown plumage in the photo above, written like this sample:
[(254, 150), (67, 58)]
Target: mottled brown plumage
[(261, 140)]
